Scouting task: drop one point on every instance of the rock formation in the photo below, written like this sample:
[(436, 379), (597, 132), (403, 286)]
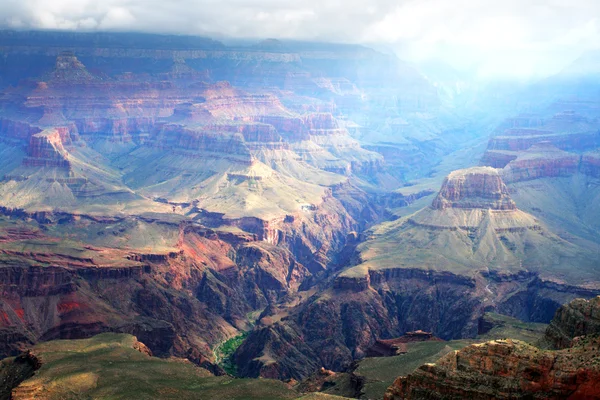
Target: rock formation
[(542, 160), (474, 188), (566, 130), (591, 164), (506, 369), (472, 247), (578, 318)]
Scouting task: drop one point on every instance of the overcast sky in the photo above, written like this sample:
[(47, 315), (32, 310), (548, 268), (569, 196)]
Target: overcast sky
[(519, 37)]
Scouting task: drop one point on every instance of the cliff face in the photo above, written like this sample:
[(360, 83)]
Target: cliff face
[(180, 302), (471, 248), (577, 318), (542, 160), (46, 149), (346, 81), (505, 369), (474, 188), (566, 130)]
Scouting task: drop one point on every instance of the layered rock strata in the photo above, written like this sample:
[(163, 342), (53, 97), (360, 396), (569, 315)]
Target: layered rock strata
[(505, 369), (508, 369)]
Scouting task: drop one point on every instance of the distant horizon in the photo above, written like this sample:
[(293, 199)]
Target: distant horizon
[(486, 38), (249, 42)]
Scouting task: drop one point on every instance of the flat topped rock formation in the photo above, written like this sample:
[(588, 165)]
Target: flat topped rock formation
[(477, 187), (474, 227)]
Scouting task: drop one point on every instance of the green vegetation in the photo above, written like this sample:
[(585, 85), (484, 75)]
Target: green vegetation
[(382, 371), (508, 327), (224, 353)]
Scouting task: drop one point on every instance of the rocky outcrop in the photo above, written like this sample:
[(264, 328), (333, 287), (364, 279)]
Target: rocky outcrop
[(578, 318), (16, 370), (46, 149), (505, 369), (397, 346), (478, 187), (19, 130)]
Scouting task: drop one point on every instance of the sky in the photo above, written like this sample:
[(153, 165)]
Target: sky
[(526, 38)]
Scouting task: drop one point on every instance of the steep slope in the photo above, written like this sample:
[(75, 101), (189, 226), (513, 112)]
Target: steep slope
[(560, 188), (578, 318)]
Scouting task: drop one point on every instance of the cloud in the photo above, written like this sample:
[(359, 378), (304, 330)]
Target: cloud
[(424, 27)]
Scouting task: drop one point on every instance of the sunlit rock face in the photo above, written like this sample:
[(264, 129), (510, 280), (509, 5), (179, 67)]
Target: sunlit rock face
[(503, 369), (479, 187)]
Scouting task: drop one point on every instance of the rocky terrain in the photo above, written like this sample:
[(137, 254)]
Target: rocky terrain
[(505, 369), (555, 180), (304, 201), (171, 194), (513, 369), (436, 270)]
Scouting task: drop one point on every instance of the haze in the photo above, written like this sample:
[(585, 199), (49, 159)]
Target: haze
[(486, 38)]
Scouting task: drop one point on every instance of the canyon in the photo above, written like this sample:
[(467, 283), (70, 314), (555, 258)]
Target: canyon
[(309, 200)]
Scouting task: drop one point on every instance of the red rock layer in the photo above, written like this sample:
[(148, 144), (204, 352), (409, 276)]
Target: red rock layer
[(542, 160), (479, 187), (505, 369), (46, 149)]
